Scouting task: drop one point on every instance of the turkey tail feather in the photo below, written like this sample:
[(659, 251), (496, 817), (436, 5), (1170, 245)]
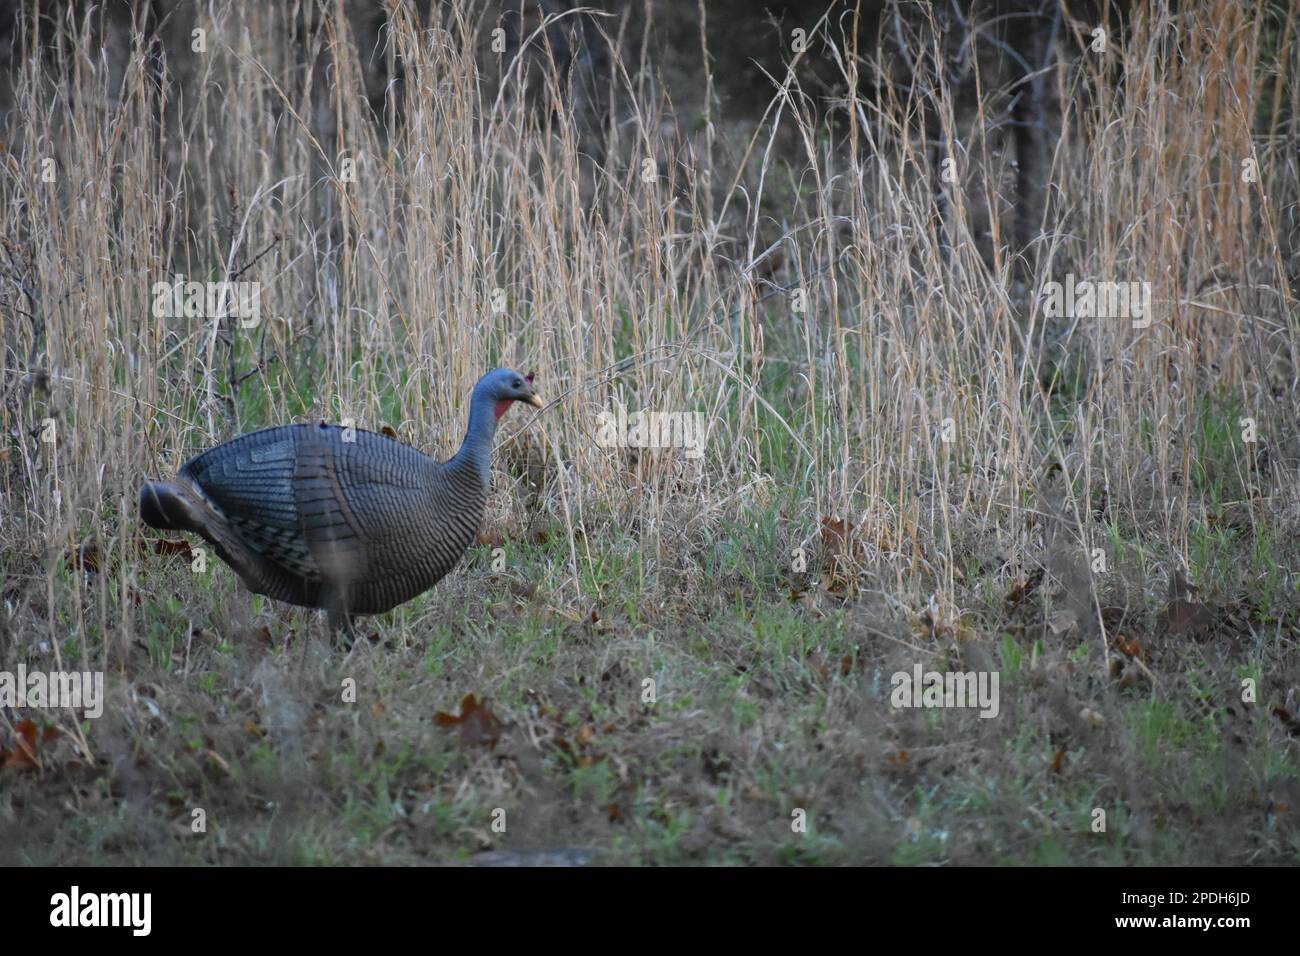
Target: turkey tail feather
[(165, 505)]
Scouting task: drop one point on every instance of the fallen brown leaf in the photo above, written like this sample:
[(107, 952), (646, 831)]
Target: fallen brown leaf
[(24, 754), (475, 722), (1187, 617), (1127, 646)]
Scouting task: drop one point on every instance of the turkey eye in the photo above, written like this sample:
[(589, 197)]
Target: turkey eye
[(518, 384)]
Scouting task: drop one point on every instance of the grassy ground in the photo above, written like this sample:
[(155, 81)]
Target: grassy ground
[(650, 658), (762, 703)]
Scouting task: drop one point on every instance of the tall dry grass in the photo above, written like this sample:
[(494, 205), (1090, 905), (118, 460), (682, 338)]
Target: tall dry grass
[(672, 291)]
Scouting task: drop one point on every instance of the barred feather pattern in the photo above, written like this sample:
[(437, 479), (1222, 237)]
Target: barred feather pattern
[(336, 518)]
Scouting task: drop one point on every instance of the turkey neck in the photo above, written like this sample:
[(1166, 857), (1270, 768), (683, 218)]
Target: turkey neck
[(475, 455)]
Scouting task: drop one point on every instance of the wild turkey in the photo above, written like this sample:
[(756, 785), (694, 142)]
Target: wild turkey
[(344, 520)]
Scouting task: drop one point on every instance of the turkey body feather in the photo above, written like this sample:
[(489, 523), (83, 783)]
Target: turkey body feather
[(341, 519), (360, 525)]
